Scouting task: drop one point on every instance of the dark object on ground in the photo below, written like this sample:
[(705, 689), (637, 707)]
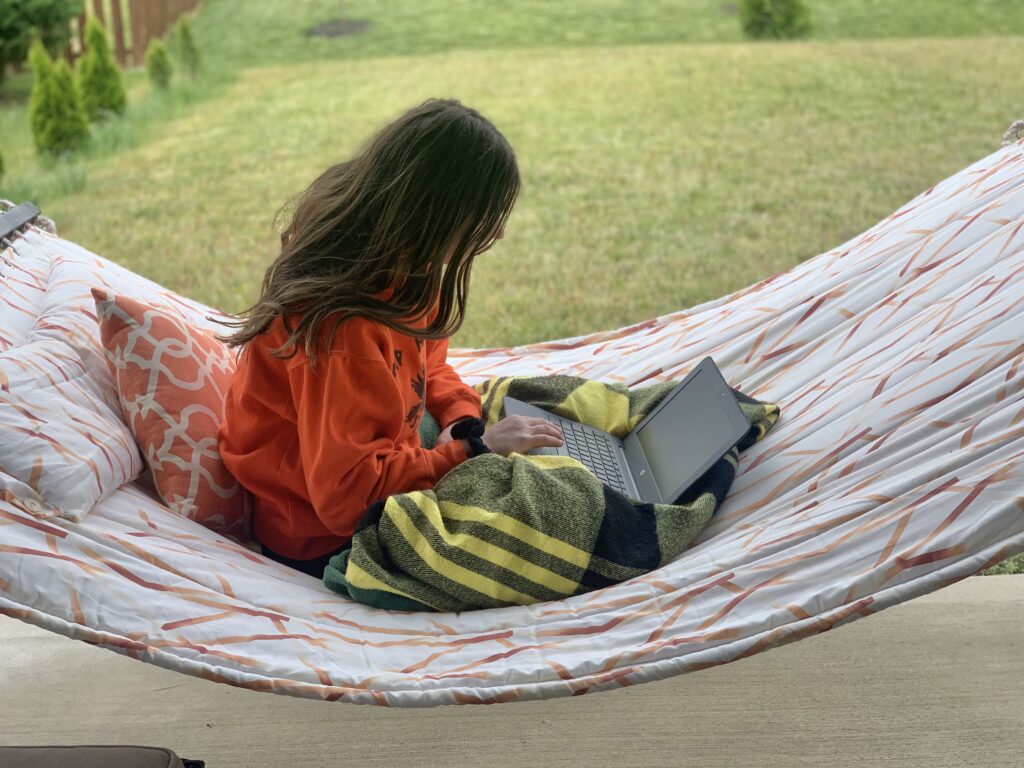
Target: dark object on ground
[(338, 28)]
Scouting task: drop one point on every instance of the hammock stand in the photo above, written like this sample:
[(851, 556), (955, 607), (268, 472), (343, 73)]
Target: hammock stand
[(896, 469)]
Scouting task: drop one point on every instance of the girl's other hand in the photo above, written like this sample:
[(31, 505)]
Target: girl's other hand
[(519, 434), (446, 435)]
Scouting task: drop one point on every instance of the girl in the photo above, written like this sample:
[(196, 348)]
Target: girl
[(347, 343)]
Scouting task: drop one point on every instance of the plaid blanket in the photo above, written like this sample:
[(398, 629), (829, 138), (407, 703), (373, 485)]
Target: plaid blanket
[(499, 531)]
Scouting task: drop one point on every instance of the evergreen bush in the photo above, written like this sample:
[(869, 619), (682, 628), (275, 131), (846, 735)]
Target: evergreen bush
[(42, 69), (65, 127), (21, 21), (158, 63), (778, 19), (98, 75), (185, 46)]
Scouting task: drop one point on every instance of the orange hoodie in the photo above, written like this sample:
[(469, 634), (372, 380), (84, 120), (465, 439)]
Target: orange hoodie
[(316, 449)]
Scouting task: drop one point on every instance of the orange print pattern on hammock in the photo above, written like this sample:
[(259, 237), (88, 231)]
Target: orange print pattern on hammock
[(895, 470)]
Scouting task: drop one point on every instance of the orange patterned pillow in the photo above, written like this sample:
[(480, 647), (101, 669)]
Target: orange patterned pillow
[(171, 381)]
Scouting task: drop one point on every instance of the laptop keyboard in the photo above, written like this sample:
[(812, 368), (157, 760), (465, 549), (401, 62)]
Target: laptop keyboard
[(593, 450)]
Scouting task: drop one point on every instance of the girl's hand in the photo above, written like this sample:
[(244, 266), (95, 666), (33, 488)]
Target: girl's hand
[(446, 435), (519, 434)]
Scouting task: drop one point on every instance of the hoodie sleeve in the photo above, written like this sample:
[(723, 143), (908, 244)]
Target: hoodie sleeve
[(448, 397), (350, 432)]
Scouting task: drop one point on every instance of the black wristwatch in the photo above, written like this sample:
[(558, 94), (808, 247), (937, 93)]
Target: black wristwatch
[(472, 430)]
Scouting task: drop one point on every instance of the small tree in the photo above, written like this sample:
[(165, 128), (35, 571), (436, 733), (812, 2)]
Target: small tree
[(98, 75), (64, 124), (42, 69), (777, 19), (158, 63), (185, 46), (21, 20)]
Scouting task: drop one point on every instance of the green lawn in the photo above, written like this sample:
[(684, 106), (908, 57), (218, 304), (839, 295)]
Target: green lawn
[(665, 173), (272, 31), (689, 170)]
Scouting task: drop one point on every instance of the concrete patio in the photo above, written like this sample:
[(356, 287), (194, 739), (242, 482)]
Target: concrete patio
[(936, 682)]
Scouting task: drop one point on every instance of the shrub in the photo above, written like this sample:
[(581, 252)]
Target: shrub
[(21, 20), (774, 18), (98, 75), (158, 64), (185, 46), (64, 126), (42, 68)]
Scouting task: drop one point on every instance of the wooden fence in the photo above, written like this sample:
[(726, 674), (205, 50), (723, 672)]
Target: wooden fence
[(131, 24)]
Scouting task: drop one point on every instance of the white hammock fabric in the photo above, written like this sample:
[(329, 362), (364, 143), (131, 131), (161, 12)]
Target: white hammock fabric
[(895, 470)]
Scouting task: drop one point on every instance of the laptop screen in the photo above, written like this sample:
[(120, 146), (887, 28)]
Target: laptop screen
[(678, 440)]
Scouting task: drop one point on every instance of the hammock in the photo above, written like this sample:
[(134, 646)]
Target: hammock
[(897, 360)]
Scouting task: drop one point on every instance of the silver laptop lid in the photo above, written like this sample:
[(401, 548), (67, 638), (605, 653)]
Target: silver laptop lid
[(685, 434)]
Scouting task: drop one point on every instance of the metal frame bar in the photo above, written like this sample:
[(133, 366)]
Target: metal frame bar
[(15, 218)]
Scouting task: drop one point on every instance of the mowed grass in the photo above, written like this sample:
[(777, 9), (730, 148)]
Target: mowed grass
[(654, 177), (274, 30), (234, 35), (43, 179)]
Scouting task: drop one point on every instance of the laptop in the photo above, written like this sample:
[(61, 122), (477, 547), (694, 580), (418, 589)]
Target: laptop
[(668, 451)]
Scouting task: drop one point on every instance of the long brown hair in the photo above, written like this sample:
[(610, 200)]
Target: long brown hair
[(439, 181)]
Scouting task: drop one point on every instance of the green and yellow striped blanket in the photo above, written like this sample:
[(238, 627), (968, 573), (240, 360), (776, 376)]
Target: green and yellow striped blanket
[(499, 531)]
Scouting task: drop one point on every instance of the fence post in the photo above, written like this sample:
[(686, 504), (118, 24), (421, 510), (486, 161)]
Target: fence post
[(146, 19), (147, 25), (153, 13), (115, 12), (67, 45), (135, 19), (81, 36), (160, 26)]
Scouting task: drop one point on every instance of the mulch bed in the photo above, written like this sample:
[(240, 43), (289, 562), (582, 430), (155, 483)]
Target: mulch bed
[(338, 28)]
